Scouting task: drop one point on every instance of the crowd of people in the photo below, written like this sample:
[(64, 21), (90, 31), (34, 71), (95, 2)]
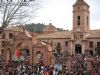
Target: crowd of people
[(85, 65), (79, 66)]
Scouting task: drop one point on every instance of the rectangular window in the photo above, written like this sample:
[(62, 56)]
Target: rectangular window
[(98, 44), (58, 43), (3, 43), (75, 36), (91, 44), (66, 43), (78, 20), (10, 35)]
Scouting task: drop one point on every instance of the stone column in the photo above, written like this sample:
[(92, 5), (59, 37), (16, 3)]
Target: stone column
[(70, 47), (83, 47)]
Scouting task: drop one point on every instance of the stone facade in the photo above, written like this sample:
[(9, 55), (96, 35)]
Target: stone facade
[(12, 40), (81, 38), (42, 46), (43, 54)]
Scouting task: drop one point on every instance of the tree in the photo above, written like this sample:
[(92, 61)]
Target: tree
[(38, 28), (16, 11)]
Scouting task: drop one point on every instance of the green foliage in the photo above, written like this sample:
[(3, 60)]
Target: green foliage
[(35, 27), (38, 28)]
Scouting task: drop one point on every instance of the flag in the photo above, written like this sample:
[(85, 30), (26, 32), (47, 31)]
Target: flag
[(18, 54)]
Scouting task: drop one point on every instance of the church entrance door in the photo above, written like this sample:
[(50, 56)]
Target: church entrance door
[(78, 48)]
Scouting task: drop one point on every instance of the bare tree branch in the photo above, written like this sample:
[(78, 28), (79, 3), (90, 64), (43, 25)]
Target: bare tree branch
[(11, 10)]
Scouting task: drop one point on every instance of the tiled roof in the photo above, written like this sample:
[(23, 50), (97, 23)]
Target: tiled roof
[(19, 29), (55, 35), (94, 34), (80, 2), (67, 34)]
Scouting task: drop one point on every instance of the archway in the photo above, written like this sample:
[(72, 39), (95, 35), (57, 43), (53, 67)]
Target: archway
[(25, 53), (78, 48), (18, 45), (39, 57)]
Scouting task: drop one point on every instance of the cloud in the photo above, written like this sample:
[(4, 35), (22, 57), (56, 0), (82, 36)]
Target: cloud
[(94, 13), (60, 13)]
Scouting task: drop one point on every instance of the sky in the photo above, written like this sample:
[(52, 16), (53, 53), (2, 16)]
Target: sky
[(59, 13)]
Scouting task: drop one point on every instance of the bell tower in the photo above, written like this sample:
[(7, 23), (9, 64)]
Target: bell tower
[(81, 24), (81, 16)]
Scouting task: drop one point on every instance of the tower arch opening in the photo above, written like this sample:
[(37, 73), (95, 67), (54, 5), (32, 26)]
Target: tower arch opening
[(78, 48)]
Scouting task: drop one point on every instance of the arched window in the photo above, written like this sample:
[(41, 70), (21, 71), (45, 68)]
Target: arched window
[(78, 20), (87, 20)]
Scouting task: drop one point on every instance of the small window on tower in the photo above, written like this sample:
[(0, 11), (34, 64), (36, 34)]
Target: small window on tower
[(87, 20), (78, 8), (78, 20)]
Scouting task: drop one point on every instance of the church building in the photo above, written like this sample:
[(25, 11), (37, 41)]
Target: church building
[(80, 39), (42, 47)]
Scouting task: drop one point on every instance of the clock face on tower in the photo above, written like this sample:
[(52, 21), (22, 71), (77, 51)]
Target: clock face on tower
[(78, 29)]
